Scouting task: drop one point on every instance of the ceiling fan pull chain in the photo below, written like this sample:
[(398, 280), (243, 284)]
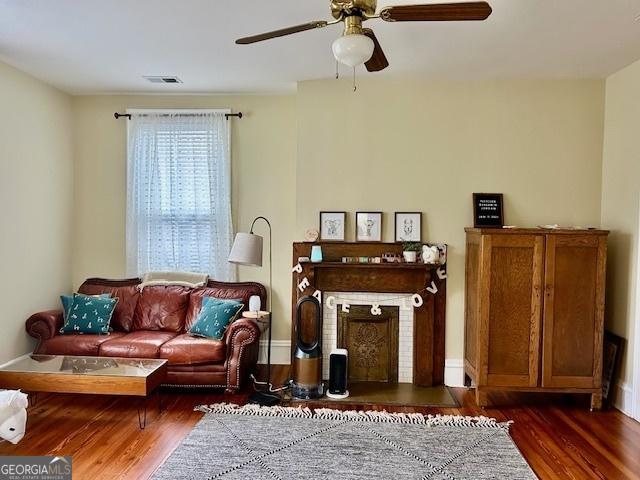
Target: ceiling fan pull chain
[(337, 71), (355, 87)]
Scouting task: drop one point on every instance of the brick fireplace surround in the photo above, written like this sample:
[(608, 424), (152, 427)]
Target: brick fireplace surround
[(422, 340)]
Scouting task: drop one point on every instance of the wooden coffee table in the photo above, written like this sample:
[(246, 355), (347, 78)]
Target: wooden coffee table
[(136, 377)]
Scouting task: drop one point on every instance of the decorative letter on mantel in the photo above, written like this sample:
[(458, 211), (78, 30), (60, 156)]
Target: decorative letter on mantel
[(331, 302), (302, 286), (417, 300)]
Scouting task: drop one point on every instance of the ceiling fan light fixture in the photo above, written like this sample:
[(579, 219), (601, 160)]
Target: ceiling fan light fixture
[(353, 49)]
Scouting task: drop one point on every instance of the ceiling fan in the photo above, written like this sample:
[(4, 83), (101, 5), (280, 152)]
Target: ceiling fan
[(359, 45)]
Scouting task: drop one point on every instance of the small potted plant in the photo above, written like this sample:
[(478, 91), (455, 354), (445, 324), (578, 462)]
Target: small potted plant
[(410, 251)]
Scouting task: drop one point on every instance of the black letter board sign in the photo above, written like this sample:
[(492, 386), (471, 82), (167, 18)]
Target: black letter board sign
[(487, 210)]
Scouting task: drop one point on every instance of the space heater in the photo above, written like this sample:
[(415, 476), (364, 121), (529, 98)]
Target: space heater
[(307, 356), (338, 362)]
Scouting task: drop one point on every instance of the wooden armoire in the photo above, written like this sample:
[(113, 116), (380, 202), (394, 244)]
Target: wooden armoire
[(534, 310)]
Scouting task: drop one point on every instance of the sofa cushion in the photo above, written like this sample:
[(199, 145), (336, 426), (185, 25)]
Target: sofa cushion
[(237, 294), (88, 345), (127, 293), (89, 314), (215, 316), (67, 302), (162, 308), (139, 344), (187, 350)]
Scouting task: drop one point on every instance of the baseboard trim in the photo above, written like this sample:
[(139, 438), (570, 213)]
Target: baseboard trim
[(454, 372), (623, 398), (280, 352)]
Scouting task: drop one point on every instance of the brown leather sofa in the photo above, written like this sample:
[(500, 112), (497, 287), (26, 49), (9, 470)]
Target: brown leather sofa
[(154, 324)]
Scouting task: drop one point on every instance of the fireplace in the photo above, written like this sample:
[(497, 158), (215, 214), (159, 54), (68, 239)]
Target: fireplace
[(372, 343), (330, 329), (420, 331)]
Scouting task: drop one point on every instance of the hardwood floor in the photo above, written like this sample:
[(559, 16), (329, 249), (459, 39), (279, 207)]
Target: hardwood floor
[(557, 435)]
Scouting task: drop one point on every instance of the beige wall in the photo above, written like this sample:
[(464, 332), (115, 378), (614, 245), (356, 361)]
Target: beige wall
[(263, 169), (36, 193), (420, 146), (620, 202), (393, 145)]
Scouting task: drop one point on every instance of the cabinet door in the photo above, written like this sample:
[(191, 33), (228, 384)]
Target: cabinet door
[(573, 311), (511, 303)]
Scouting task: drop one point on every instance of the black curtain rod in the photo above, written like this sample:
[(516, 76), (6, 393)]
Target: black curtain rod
[(226, 115)]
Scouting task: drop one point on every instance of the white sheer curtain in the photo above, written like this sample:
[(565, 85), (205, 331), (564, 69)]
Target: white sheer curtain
[(179, 193)]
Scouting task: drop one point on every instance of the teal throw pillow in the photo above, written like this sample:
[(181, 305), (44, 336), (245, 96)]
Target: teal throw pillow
[(214, 318), (67, 302), (89, 314)]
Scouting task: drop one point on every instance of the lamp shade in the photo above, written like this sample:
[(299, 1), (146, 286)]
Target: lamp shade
[(246, 250), (353, 49)]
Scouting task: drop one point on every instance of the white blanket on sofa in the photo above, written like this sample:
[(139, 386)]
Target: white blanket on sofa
[(183, 279)]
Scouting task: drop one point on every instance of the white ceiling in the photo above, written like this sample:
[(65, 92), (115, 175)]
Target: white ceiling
[(99, 46)]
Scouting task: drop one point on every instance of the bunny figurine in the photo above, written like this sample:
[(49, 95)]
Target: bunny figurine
[(430, 254)]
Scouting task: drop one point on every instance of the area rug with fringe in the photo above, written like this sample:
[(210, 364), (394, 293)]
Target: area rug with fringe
[(253, 442)]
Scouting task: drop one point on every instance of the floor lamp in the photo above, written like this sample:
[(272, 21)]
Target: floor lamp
[(247, 250)]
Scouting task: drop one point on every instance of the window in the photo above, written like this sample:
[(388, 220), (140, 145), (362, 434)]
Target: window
[(179, 193)]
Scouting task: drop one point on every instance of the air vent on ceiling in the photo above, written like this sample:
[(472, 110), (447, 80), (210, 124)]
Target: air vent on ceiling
[(162, 79)]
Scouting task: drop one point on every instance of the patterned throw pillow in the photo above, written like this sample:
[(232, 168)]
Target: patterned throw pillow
[(67, 302), (215, 316), (89, 315)]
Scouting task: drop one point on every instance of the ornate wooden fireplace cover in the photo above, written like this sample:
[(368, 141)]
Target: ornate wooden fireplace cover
[(372, 342)]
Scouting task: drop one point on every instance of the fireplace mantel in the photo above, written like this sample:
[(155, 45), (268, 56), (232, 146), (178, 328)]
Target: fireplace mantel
[(334, 276), (401, 266)]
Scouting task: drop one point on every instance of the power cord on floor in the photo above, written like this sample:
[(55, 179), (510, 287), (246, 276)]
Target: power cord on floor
[(270, 397), (285, 386)]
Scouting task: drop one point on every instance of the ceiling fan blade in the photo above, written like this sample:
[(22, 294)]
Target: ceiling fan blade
[(282, 32), (440, 12), (378, 60)]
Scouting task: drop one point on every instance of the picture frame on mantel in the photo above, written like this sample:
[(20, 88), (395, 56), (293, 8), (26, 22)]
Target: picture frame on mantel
[(368, 226), (408, 227), (332, 226), (488, 210)]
